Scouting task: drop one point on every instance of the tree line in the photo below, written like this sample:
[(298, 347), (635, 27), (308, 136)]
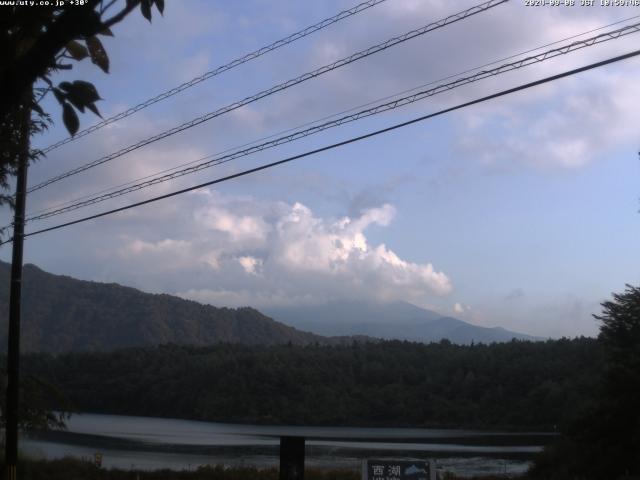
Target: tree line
[(515, 385)]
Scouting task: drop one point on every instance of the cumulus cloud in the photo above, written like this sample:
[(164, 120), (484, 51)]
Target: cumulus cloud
[(259, 253), (236, 251)]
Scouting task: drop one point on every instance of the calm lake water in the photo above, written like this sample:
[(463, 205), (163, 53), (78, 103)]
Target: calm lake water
[(152, 443)]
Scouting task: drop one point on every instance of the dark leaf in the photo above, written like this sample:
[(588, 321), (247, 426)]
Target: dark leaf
[(79, 106), (94, 109), (106, 32), (98, 54), (60, 95), (145, 8), (63, 66), (85, 91), (66, 86), (74, 101), (160, 5), (77, 50), (70, 118), (90, 23), (81, 94)]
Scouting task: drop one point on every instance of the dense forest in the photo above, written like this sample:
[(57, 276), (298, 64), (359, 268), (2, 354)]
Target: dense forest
[(515, 385)]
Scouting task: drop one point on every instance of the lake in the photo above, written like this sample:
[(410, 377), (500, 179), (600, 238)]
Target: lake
[(151, 443)]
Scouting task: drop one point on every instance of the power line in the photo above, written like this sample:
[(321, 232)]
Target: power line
[(221, 69), (378, 109), (288, 130), (342, 143), (277, 88), (214, 160)]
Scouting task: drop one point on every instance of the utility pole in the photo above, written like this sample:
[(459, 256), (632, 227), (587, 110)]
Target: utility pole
[(292, 453), (13, 352)]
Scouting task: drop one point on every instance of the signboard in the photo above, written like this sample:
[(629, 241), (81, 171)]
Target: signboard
[(398, 470)]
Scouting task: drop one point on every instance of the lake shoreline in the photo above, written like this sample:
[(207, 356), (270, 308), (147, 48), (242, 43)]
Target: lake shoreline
[(271, 445), (72, 468), (151, 444), (502, 429)]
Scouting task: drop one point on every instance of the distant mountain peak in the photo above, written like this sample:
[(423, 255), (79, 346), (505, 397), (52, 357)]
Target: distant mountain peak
[(398, 320)]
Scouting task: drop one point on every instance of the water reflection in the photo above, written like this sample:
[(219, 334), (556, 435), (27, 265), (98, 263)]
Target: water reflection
[(153, 443)]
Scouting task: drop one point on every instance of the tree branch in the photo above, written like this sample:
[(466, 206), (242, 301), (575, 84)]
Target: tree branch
[(120, 16), (104, 8), (73, 23)]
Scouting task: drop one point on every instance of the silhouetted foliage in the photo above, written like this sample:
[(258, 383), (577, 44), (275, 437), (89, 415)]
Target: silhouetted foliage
[(37, 396), (604, 442), (35, 42)]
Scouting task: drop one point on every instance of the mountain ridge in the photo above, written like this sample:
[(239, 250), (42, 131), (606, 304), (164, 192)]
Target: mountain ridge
[(390, 321), (61, 313), (65, 314)]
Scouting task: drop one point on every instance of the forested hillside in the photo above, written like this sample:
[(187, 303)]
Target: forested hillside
[(62, 314), (520, 385)]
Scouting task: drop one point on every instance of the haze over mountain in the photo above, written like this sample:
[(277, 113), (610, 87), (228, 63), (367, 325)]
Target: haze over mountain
[(393, 320), (63, 314)]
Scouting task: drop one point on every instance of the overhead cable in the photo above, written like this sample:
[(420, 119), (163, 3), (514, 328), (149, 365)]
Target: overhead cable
[(340, 144), (277, 88), (334, 115), (218, 70), (208, 162)]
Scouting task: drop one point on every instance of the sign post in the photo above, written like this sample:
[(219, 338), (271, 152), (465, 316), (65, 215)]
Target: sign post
[(389, 469), (292, 458)]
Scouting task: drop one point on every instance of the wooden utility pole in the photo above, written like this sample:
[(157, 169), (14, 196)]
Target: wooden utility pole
[(292, 458), (13, 352)]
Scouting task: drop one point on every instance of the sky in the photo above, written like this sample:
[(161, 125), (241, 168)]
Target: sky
[(520, 212)]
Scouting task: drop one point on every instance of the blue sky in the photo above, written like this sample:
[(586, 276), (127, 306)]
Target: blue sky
[(521, 212)]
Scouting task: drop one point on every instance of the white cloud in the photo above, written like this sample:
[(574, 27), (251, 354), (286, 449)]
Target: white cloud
[(164, 246), (255, 253), (237, 227), (566, 131), (234, 251), (250, 264)]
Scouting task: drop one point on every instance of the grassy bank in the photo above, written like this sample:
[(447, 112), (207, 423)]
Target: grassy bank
[(73, 469)]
